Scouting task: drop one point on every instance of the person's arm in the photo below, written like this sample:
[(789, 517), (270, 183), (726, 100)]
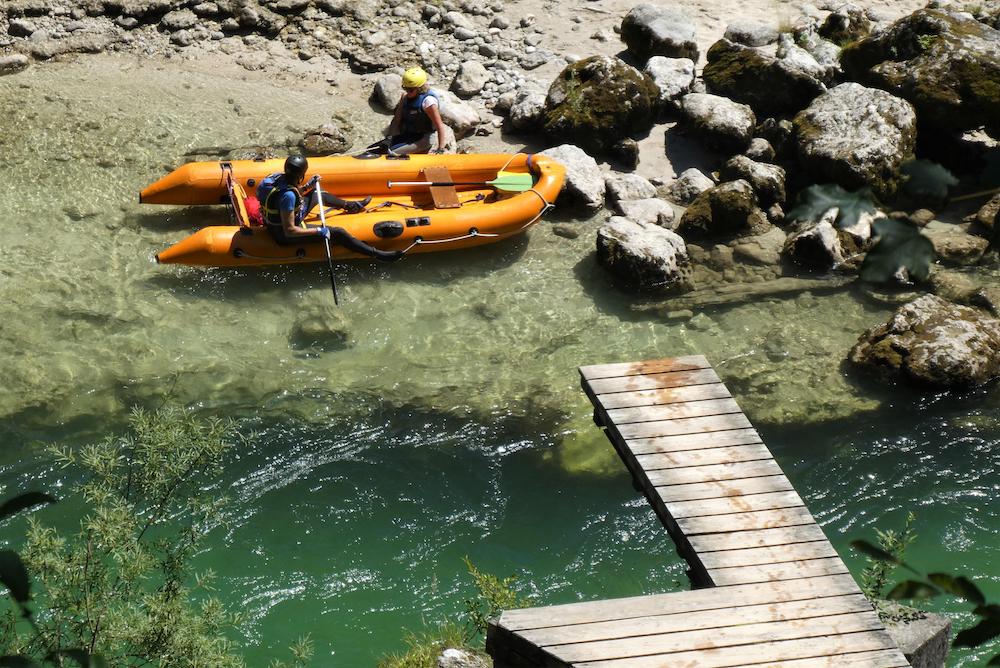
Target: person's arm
[(397, 118), (293, 230), (435, 115)]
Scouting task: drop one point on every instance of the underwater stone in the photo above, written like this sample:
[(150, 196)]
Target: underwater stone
[(647, 256)]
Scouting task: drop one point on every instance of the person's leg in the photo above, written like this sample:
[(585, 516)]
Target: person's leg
[(332, 201), (408, 144), (342, 237)]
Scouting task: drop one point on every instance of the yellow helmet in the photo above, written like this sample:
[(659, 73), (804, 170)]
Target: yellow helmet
[(414, 77)]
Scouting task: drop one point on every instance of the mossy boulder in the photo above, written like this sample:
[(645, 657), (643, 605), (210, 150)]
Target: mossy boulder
[(646, 256), (598, 101), (945, 63), (932, 342), (723, 212), (856, 137), (772, 86)]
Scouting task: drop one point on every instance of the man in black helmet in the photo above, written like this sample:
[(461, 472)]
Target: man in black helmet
[(284, 207)]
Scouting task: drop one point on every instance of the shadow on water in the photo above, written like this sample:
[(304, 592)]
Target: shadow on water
[(176, 219)]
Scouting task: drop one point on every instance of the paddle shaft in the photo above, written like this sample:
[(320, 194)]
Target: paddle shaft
[(326, 242), (440, 183)]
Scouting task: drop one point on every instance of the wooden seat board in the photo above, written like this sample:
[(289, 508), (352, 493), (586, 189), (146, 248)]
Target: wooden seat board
[(700, 408), (652, 381), (753, 556), (714, 439), (734, 504), (689, 458), (714, 489), (691, 425), (693, 621), (665, 395), (773, 572), (748, 634), (595, 371), (444, 197)]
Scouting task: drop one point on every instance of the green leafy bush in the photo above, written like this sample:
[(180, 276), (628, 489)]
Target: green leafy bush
[(816, 201), (898, 246)]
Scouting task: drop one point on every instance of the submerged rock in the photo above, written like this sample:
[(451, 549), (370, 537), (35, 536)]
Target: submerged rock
[(13, 64), (649, 257), (933, 342), (327, 139)]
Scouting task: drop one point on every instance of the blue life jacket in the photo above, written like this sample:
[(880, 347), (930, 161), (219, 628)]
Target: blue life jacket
[(269, 192), (415, 119)]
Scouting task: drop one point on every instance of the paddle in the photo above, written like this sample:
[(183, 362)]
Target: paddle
[(506, 181), (326, 241)]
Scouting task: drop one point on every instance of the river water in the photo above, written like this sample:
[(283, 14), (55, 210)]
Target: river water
[(437, 413)]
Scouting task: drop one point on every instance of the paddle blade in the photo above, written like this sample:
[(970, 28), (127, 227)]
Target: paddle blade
[(512, 182)]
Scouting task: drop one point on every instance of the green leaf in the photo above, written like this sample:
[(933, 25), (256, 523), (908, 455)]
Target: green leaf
[(912, 589), (923, 178), (816, 200), (11, 661), (23, 501), (959, 586), (982, 632), (875, 553), (14, 576), (995, 661), (898, 246)]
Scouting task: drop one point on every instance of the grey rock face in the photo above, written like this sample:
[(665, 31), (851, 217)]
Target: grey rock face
[(761, 249), (686, 187), (934, 343), (599, 101), (945, 63), (760, 150), (727, 210), (718, 121), (527, 113), (649, 258), (953, 245), (768, 181), (584, 181), (671, 76), (180, 19), (458, 115), (772, 85), (652, 30), (845, 24), (628, 186), (857, 137), (650, 210), (816, 248), (751, 33), (386, 93), (923, 641), (470, 79)]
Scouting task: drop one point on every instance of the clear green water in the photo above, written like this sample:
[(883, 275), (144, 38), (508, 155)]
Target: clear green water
[(444, 418)]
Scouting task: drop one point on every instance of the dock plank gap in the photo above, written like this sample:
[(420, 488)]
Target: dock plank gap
[(770, 588)]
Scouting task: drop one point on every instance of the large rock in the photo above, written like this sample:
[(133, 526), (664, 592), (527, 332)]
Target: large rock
[(672, 77), (751, 33), (327, 139), (945, 63), (387, 92), (584, 182), (653, 30), (847, 23), (527, 113), (13, 63), (180, 19), (718, 121), (471, 77), (933, 342), (772, 86), (628, 186), (857, 137), (727, 210), (598, 101), (647, 256), (768, 180), (458, 115), (688, 185), (648, 210), (953, 245)]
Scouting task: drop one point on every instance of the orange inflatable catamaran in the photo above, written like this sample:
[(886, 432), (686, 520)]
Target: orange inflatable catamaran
[(420, 203)]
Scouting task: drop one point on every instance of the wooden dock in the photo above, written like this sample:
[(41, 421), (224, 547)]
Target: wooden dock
[(775, 592)]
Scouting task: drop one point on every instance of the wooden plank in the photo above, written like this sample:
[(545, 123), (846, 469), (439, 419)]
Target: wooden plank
[(734, 504), (722, 488), (832, 645), (692, 425), (652, 382), (693, 621), (666, 395), (594, 371), (880, 658), (716, 598), (815, 549), (445, 197), (736, 522), (748, 539), (688, 458), (713, 472), (715, 439), (749, 634), (774, 572), (623, 416)]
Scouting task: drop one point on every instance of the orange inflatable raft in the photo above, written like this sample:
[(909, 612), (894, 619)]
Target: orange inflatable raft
[(480, 208)]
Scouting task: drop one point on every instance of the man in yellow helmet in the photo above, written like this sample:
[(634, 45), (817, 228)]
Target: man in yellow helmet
[(418, 118)]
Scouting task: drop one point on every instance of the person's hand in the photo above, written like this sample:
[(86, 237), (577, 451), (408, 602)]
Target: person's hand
[(437, 151), (324, 232), (311, 183)]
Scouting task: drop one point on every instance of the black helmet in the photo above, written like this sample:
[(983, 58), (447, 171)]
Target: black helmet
[(295, 168)]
